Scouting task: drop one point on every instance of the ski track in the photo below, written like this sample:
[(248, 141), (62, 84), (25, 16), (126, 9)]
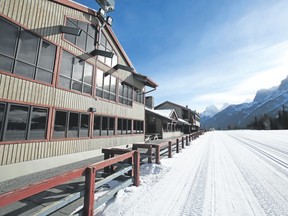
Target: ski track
[(238, 173)]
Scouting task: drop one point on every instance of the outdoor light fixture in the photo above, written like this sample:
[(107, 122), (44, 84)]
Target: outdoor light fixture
[(101, 53), (92, 109), (123, 67), (70, 30), (109, 20), (101, 12), (107, 5)]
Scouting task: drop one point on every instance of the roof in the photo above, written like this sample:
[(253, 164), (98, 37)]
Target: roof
[(145, 80), (183, 121), (163, 113), (182, 107)]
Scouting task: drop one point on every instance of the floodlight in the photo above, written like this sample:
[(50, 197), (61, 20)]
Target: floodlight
[(70, 30), (109, 20), (101, 12), (101, 53), (107, 5)]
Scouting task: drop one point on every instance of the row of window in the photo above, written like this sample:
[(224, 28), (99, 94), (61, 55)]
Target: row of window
[(24, 122), (26, 54)]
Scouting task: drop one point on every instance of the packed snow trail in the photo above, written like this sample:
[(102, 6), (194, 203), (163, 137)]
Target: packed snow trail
[(221, 173)]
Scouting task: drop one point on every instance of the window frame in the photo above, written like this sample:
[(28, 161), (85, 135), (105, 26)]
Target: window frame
[(27, 131), (75, 23), (71, 77), (107, 130), (36, 67)]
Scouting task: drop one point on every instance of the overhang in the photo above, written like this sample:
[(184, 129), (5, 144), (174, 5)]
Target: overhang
[(145, 80)]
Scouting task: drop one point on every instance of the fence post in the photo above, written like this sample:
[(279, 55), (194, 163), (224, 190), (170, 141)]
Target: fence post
[(136, 169), (150, 154), (88, 209), (183, 143), (177, 145), (169, 149), (187, 141), (157, 154)]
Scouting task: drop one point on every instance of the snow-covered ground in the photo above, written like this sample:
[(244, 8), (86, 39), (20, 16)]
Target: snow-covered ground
[(221, 173)]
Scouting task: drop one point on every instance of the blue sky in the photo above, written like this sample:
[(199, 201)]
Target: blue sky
[(207, 51)]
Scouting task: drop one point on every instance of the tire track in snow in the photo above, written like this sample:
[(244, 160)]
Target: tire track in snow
[(195, 199), (269, 190)]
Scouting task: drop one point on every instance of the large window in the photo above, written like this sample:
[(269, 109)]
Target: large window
[(71, 124), (138, 96), (22, 122), (25, 54), (138, 127), (106, 46), (125, 94), (86, 39), (124, 126), (75, 74), (104, 126), (105, 86)]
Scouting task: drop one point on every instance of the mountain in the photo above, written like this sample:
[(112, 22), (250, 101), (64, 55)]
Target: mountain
[(212, 110), (266, 101)]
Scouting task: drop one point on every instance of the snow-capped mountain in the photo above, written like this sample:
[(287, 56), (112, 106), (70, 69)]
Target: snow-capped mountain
[(266, 101)]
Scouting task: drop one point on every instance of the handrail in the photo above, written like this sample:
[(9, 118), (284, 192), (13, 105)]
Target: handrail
[(89, 172)]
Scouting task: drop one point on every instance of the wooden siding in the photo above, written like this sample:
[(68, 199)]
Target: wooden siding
[(16, 153), (44, 17)]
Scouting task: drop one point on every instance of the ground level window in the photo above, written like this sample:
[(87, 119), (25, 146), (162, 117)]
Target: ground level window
[(124, 126), (71, 124), (138, 127), (22, 122), (104, 126)]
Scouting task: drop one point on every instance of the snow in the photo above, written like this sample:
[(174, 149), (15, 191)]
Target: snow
[(221, 173)]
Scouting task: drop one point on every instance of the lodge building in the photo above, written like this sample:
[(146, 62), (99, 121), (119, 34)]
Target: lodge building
[(67, 87)]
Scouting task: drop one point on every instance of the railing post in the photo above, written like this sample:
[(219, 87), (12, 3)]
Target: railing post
[(88, 209), (183, 143), (189, 138), (150, 154), (177, 145), (136, 166), (157, 154), (187, 141), (169, 149)]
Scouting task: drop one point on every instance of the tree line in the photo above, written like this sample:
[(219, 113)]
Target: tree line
[(266, 122)]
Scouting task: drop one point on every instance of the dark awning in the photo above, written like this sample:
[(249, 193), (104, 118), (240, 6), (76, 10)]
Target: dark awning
[(145, 80)]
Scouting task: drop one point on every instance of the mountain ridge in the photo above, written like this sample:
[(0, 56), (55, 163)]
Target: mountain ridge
[(266, 101)]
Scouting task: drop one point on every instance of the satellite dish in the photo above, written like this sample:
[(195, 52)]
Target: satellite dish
[(107, 5)]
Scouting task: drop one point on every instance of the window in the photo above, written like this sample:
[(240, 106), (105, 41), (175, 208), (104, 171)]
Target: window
[(104, 126), (25, 54), (71, 124), (138, 127), (106, 46), (138, 96), (75, 74), (22, 122), (105, 86), (124, 126), (86, 40), (125, 94)]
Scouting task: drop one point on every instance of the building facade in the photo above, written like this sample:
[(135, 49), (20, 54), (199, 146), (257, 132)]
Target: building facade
[(60, 92), (184, 113)]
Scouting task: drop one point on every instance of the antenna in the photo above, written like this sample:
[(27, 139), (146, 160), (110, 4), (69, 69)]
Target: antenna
[(106, 5)]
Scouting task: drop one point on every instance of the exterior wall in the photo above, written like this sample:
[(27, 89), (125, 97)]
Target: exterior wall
[(43, 17)]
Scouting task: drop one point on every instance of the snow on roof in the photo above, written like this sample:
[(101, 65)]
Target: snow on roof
[(164, 113), (183, 121)]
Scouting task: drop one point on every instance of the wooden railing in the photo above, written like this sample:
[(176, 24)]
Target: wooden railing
[(154, 151), (126, 162)]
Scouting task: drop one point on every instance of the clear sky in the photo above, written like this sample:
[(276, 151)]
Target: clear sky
[(204, 52)]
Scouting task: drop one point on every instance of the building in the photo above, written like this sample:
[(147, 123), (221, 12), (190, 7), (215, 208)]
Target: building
[(164, 122), (184, 113), (67, 87)]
